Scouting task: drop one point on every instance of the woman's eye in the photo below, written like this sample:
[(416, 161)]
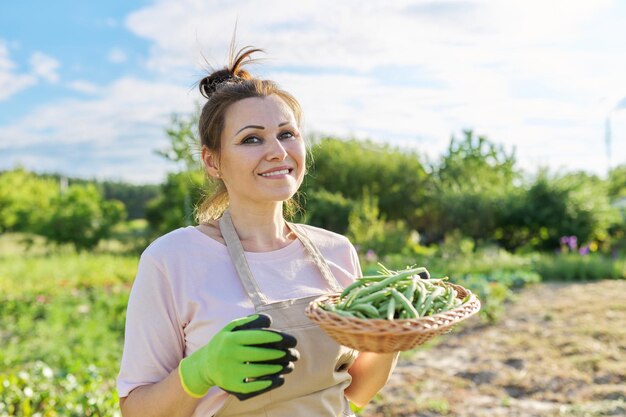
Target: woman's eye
[(287, 135), (251, 139)]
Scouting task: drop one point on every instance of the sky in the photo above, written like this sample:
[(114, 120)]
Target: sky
[(87, 89)]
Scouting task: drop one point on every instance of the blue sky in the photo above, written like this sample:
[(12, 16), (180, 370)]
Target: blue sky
[(87, 88)]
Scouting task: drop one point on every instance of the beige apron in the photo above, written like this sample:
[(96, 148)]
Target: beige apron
[(316, 386)]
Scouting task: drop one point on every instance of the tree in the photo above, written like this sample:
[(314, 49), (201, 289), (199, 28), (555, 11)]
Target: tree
[(553, 206), (467, 188), (184, 148), (174, 207), (25, 200), (80, 216), (347, 167), (617, 182)]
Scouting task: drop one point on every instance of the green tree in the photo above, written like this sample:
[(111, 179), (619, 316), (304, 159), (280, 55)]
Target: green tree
[(553, 206), (174, 206), (369, 230), (25, 200), (617, 182), (467, 189), (80, 216), (327, 210), (346, 167), (184, 147)]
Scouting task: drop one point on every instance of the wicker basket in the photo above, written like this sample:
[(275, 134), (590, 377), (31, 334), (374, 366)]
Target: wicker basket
[(384, 336)]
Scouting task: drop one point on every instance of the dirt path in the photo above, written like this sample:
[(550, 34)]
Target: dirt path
[(559, 350)]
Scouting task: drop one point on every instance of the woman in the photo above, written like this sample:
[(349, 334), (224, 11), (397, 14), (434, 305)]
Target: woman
[(198, 316)]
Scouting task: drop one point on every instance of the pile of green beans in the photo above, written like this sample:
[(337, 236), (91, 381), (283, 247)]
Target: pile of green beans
[(406, 294)]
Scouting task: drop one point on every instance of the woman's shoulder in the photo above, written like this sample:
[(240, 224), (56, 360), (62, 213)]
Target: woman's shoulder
[(177, 241), (325, 238)]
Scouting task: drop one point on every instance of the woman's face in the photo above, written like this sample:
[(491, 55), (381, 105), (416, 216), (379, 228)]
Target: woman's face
[(262, 156)]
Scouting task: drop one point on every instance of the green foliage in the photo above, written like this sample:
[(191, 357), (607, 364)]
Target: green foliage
[(571, 204), (70, 375), (369, 231), (62, 322), (617, 182), (134, 197), (21, 276), (574, 267), (184, 147), (347, 167), (37, 390), (174, 206), (475, 164), (25, 200), (327, 210), (80, 216), (466, 189)]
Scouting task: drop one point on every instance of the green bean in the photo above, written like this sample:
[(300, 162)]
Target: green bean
[(378, 295), (352, 286), (390, 280), (396, 294), (408, 307), (344, 313), (426, 306), (391, 309), (367, 309), (409, 293)]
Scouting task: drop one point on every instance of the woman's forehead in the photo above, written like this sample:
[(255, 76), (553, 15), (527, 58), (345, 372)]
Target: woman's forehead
[(259, 111)]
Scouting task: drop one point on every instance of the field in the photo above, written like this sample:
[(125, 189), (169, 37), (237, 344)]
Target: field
[(557, 349)]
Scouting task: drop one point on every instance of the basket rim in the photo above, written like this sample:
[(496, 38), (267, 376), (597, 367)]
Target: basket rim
[(410, 325)]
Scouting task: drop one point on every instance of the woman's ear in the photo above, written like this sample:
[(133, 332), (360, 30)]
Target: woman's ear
[(210, 162)]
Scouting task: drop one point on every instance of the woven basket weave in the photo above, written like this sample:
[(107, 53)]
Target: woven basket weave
[(385, 336)]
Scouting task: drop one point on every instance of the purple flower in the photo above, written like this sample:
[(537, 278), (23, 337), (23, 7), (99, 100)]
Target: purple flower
[(570, 242), (573, 242), (584, 250), (370, 255)]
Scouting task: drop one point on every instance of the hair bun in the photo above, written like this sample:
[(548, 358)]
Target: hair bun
[(233, 73), (208, 85)]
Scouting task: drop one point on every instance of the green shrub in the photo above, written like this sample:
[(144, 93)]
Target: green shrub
[(575, 267)]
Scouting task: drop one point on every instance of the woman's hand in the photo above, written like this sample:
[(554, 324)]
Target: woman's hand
[(370, 372), (245, 358)]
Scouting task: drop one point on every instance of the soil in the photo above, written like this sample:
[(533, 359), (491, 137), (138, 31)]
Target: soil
[(557, 350)]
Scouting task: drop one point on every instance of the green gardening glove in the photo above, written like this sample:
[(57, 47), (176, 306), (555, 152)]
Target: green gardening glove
[(244, 358)]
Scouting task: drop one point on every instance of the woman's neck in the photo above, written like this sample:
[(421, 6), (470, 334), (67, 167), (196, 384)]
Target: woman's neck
[(261, 229)]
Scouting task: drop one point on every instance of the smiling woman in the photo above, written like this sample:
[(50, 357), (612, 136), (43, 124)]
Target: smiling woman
[(216, 317)]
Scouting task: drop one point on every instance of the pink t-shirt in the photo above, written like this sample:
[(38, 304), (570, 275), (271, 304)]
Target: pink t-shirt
[(187, 289)]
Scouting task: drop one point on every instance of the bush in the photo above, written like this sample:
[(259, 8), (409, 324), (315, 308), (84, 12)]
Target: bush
[(371, 233), (328, 210), (574, 267), (80, 216)]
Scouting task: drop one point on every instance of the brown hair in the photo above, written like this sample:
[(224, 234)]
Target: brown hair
[(223, 88)]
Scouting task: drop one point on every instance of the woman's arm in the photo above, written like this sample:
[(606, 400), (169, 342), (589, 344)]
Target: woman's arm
[(165, 398), (370, 372)]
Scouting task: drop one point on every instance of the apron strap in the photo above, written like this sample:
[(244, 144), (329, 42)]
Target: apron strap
[(317, 257), (235, 249)]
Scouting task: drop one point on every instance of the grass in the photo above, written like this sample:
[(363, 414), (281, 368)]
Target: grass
[(61, 329)]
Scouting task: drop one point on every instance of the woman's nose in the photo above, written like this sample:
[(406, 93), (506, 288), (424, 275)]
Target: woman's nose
[(276, 150)]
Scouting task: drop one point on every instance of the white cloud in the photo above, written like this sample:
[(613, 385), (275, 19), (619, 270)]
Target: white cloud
[(117, 132), (10, 82), (44, 66), (117, 56), (83, 86), (535, 75)]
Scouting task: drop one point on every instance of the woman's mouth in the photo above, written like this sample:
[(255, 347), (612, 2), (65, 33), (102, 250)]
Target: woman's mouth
[(276, 173)]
